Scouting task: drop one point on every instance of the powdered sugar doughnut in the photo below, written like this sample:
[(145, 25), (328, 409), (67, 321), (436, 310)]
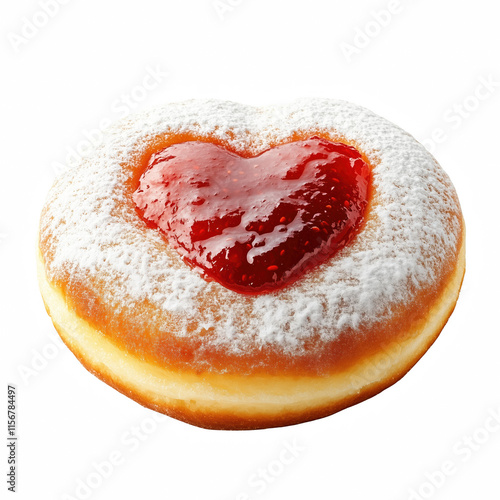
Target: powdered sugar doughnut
[(137, 316)]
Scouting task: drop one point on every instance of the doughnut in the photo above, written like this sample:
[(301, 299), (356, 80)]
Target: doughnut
[(239, 267)]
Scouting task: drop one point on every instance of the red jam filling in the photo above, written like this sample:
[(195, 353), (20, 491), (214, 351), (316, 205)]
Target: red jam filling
[(255, 224)]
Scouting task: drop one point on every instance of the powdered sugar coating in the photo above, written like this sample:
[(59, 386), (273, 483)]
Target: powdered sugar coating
[(92, 229)]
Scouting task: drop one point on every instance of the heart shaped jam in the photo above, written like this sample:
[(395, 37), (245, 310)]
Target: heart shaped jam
[(255, 224)]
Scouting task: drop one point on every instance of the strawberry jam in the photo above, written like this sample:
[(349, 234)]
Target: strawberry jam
[(255, 224)]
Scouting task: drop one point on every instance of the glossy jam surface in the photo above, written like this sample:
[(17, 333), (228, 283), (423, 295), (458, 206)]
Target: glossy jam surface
[(255, 224)]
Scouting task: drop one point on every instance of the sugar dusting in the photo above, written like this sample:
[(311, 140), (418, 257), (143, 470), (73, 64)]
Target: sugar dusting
[(93, 230)]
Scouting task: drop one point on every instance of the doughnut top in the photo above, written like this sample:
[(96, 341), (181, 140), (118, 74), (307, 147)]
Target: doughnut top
[(92, 237), (255, 224)]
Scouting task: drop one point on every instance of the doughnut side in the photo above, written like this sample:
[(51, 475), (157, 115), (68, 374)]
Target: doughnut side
[(232, 401)]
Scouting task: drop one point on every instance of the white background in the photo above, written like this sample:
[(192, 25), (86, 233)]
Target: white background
[(424, 69)]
